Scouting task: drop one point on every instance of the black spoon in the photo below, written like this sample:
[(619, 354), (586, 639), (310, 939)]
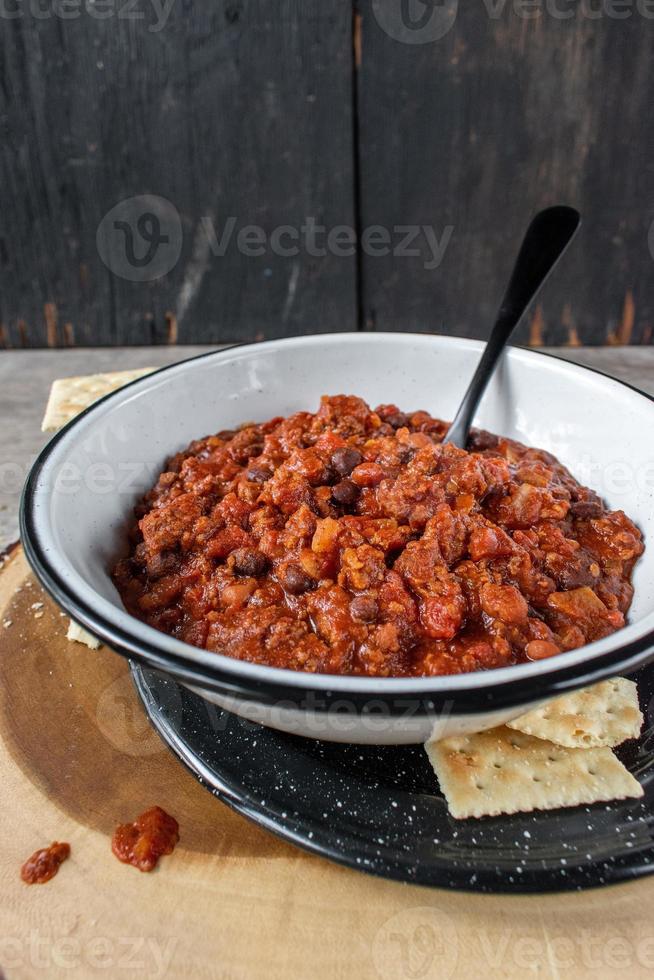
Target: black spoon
[(546, 239)]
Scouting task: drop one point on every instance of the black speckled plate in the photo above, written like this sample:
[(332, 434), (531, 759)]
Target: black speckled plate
[(379, 809)]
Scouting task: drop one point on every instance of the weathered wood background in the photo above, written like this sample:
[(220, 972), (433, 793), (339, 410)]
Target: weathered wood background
[(190, 121)]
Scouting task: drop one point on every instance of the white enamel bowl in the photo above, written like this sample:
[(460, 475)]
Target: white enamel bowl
[(79, 497)]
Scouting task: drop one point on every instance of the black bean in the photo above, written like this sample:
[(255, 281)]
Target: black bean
[(345, 493), (344, 460), (479, 440), (364, 608), (249, 561), (258, 474), (162, 564), (585, 509), (296, 581), (398, 420), (242, 454)]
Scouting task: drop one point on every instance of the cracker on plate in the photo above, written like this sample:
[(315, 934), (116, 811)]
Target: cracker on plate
[(505, 771), (69, 396), (605, 714)]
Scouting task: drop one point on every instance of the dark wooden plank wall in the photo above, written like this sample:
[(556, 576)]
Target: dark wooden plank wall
[(478, 129), (270, 112), (238, 109)]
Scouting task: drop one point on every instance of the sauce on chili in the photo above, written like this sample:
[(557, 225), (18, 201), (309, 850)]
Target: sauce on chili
[(143, 842), (44, 863), (351, 541)]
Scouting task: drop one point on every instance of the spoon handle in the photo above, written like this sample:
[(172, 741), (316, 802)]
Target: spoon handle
[(546, 239)]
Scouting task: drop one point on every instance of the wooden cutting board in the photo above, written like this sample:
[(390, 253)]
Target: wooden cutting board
[(77, 756)]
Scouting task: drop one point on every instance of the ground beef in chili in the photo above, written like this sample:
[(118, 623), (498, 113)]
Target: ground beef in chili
[(351, 541)]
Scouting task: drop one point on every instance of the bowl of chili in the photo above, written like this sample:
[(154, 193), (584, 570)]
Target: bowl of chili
[(321, 564)]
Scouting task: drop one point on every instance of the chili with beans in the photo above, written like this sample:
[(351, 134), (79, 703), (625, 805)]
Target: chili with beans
[(351, 541)]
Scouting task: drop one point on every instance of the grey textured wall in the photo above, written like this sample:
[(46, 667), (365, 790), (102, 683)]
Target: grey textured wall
[(194, 172)]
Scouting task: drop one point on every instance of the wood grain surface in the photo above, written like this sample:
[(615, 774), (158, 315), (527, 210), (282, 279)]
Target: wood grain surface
[(232, 902), (515, 107), (273, 113), (227, 110)]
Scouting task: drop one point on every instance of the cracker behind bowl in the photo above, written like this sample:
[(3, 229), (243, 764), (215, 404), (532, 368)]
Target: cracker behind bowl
[(69, 397)]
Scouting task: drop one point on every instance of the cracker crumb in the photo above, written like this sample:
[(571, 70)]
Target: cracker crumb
[(36, 605), (37, 615), (7, 623), (79, 635)]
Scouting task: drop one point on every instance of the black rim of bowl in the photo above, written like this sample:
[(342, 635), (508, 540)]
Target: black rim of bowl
[(497, 695)]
